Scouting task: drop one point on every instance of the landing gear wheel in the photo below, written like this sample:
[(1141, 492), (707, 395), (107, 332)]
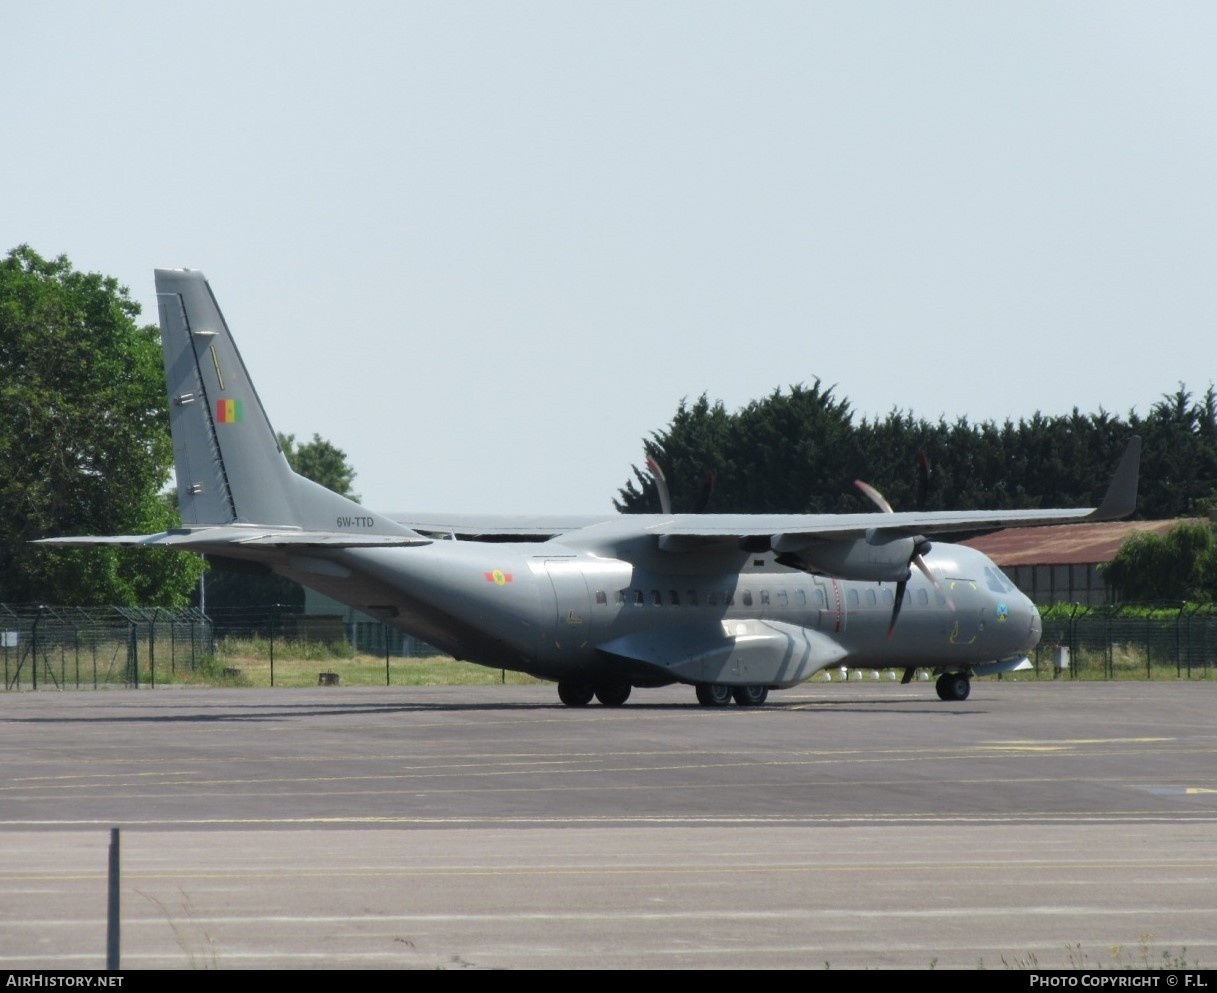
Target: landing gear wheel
[(953, 686), (613, 694), (713, 694), (750, 696), (575, 693)]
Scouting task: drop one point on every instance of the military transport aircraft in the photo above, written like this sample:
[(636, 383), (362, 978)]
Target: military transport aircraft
[(734, 605)]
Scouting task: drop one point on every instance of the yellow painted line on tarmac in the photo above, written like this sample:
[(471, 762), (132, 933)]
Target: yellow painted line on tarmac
[(1083, 741), (1065, 744)]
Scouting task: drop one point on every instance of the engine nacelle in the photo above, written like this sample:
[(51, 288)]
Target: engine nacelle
[(880, 556)]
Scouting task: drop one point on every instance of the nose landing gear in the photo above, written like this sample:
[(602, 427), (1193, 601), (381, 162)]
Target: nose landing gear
[(953, 686)]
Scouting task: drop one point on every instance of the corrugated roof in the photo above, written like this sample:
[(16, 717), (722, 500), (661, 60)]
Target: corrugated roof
[(1065, 544)]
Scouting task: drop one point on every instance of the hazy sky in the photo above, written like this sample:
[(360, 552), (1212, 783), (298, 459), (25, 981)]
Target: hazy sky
[(486, 248)]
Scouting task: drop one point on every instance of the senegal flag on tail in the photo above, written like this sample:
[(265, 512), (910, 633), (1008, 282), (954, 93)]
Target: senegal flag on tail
[(228, 411)]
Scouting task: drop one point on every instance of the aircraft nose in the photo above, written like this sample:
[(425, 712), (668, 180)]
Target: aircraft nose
[(1037, 627)]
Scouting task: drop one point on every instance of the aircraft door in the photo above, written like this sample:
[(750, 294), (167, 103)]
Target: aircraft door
[(571, 599), (830, 599), (963, 623)]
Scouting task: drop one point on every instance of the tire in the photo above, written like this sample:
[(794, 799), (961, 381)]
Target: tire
[(575, 693), (750, 696), (613, 694), (713, 694), (953, 686)]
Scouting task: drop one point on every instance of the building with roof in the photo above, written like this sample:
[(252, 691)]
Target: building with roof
[(1060, 564)]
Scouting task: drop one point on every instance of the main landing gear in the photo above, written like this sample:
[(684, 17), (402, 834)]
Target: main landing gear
[(613, 693), (953, 686), (720, 694), (576, 693)]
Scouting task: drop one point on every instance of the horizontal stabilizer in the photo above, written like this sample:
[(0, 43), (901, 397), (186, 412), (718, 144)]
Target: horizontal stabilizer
[(188, 538)]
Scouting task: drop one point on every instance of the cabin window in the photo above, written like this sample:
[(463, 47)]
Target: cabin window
[(728, 598), (712, 598), (747, 598), (800, 598), (852, 598), (692, 598), (622, 596), (783, 599), (673, 598), (888, 599), (939, 599), (871, 599), (923, 598), (601, 598), (656, 598), (764, 598), (638, 599), (821, 599)]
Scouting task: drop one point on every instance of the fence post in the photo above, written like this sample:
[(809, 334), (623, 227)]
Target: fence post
[(34, 645), (1109, 654), (1149, 648), (274, 610), (133, 655), (152, 646), (1179, 640), (1074, 653)]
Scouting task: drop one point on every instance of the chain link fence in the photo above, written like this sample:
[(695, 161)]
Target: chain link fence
[(45, 647), (1128, 642)]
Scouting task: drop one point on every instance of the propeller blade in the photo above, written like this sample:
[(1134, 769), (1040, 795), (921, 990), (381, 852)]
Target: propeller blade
[(920, 547), (891, 627), (875, 496), (661, 484)]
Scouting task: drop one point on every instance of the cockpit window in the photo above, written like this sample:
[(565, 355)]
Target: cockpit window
[(997, 582)]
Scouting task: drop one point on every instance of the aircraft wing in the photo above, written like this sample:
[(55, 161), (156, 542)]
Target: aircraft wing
[(844, 526), (786, 529), (878, 546)]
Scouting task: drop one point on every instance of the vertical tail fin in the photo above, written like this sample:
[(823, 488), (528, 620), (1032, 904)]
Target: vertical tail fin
[(230, 468)]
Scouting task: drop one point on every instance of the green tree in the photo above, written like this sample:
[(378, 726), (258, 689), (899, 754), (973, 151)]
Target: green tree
[(800, 451), (1180, 565), (790, 452), (1180, 460), (697, 443), (84, 440)]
